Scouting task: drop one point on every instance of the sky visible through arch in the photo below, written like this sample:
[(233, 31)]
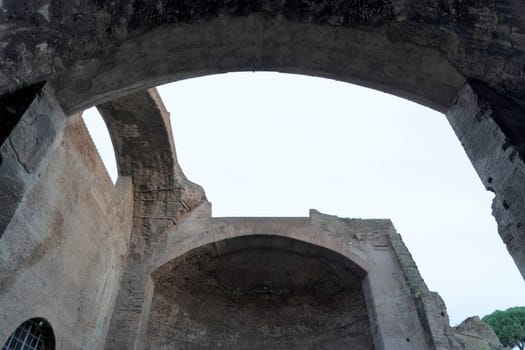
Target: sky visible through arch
[(270, 144)]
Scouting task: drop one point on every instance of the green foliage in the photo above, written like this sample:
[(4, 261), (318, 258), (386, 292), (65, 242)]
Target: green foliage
[(509, 325)]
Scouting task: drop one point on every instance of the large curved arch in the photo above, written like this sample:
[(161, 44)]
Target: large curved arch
[(140, 130), (221, 230), (369, 248), (463, 58), (316, 292), (173, 52), (94, 51)]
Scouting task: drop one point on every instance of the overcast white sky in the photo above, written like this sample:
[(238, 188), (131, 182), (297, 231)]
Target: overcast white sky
[(269, 144)]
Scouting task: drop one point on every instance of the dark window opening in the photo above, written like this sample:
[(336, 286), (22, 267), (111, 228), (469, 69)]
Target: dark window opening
[(33, 334)]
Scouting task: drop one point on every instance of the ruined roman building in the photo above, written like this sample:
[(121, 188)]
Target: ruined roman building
[(85, 264)]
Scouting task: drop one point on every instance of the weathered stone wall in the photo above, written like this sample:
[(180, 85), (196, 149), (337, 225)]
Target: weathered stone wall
[(97, 261), (464, 57), (491, 128), (32, 120), (392, 313), (426, 51), (431, 309), (91, 49), (206, 264), (61, 254), (140, 129), (254, 295)]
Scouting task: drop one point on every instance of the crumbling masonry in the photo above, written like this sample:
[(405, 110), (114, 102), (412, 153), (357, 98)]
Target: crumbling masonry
[(143, 264)]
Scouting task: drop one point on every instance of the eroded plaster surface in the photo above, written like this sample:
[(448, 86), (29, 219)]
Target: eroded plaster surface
[(259, 298), (63, 250)]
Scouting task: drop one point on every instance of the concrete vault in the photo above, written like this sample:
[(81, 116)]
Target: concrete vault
[(261, 292), (96, 264)]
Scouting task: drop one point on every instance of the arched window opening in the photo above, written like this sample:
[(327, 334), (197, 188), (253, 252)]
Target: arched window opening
[(33, 334), (100, 135)]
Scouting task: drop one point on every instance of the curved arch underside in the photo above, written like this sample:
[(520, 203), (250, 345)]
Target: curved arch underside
[(421, 50), (256, 43), (301, 297)]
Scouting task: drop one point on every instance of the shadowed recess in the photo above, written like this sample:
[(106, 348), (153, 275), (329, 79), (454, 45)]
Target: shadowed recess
[(259, 292)]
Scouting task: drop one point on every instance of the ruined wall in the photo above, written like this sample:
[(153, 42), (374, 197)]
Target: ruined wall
[(391, 311), (492, 131), (427, 51), (259, 298), (140, 129), (424, 49), (227, 282), (66, 247), (61, 253)]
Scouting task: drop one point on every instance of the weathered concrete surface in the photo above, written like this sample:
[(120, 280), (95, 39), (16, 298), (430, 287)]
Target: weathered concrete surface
[(61, 256), (140, 129), (34, 119), (430, 307), (14, 106), (422, 50), (94, 51), (249, 294), (491, 128), (364, 244)]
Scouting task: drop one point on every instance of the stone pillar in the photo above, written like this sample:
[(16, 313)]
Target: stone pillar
[(131, 312), (491, 128), (30, 122), (392, 311), (431, 309)]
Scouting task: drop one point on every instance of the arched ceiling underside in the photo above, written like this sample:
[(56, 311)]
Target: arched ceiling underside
[(277, 293), (93, 51)]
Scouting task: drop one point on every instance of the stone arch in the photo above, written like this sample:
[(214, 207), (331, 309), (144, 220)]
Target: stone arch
[(421, 51), (277, 230), (462, 58), (140, 130), (316, 291), (372, 249), (170, 53)]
